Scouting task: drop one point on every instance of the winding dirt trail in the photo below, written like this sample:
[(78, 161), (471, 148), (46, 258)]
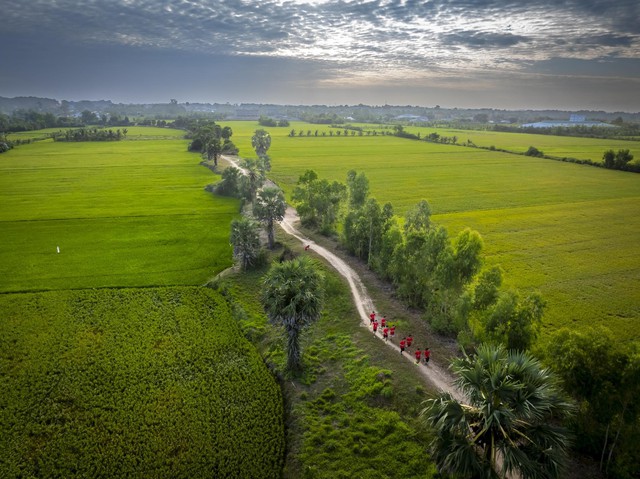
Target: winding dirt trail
[(437, 375), (434, 373)]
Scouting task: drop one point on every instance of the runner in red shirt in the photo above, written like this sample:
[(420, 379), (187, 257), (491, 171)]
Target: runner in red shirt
[(375, 326), (409, 341), (392, 332), (372, 317), (403, 343), (418, 353), (427, 355), (383, 322), (385, 333)]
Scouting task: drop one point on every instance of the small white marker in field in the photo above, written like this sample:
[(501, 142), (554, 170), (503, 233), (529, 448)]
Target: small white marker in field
[(58, 248)]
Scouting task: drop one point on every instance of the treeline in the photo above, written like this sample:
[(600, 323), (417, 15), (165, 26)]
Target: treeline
[(90, 134), (28, 120), (623, 130), (272, 122), (429, 270)]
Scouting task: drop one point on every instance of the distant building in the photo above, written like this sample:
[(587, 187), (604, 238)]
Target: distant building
[(574, 120), (412, 118)]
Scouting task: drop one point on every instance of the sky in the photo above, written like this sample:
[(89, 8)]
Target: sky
[(504, 54)]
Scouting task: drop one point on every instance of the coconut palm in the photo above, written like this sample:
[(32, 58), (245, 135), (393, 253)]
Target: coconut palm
[(292, 296), (511, 424), (268, 208)]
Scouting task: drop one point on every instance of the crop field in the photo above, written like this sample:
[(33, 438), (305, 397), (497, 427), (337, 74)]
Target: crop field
[(558, 146), (146, 383), (567, 230), (128, 213)]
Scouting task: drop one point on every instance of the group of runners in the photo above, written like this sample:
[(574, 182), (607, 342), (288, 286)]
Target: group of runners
[(389, 332)]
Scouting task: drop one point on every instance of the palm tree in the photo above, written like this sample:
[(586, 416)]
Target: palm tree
[(261, 142), (245, 241), (512, 424), (292, 296), (269, 207)]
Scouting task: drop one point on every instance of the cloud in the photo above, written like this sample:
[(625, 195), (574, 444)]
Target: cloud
[(475, 39)]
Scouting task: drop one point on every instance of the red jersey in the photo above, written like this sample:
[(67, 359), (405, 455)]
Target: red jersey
[(393, 330), (402, 344), (372, 317), (383, 321), (409, 340), (385, 331), (418, 353), (375, 326), (427, 354)]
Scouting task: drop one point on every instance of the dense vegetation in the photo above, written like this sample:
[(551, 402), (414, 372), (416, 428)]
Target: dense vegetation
[(133, 383)]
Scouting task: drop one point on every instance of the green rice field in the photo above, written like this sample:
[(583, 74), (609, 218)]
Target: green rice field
[(567, 230), (145, 383), (127, 213)]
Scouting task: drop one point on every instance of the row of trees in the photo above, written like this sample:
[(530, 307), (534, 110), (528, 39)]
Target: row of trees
[(211, 140), (272, 122), (90, 134), (429, 270), (619, 160)]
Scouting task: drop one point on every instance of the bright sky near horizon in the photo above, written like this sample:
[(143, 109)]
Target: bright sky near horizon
[(538, 54)]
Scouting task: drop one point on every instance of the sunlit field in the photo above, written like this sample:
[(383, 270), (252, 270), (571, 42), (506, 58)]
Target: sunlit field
[(127, 213), (567, 230)]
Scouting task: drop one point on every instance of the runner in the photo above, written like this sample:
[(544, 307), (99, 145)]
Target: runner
[(409, 341), (418, 353), (375, 326), (427, 355), (372, 317), (383, 322), (306, 248), (403, 343), (385, 333), (392, 331)]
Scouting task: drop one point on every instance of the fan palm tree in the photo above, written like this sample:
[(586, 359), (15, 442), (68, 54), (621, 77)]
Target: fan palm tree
[(511, 424), (245, 240), (292, 296), (269, 207)]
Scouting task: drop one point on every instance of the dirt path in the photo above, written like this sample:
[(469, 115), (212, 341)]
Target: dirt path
[(435, 373)]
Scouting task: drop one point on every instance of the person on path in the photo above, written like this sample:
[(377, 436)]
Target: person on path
[(385, 333), (409, 341), (418, 353), (375, 326), (427, 355), (306, 248), (392, 332), (372, 317), (383, 322), (403, 343)]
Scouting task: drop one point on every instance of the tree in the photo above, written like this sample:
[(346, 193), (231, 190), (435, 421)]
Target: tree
[(261, 142), (418, 218), (604, 375), (511, 424), (533, 151), (512, 321), (269, 207), (358, 185), (609, 158), (252, 180), (292, 297), (318, 201), (245, 241), (230, 184)]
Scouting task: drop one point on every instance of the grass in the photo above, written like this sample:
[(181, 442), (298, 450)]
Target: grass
[(558, 146), (567, 230), (353, 412), (128, 213), (133, 383)]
